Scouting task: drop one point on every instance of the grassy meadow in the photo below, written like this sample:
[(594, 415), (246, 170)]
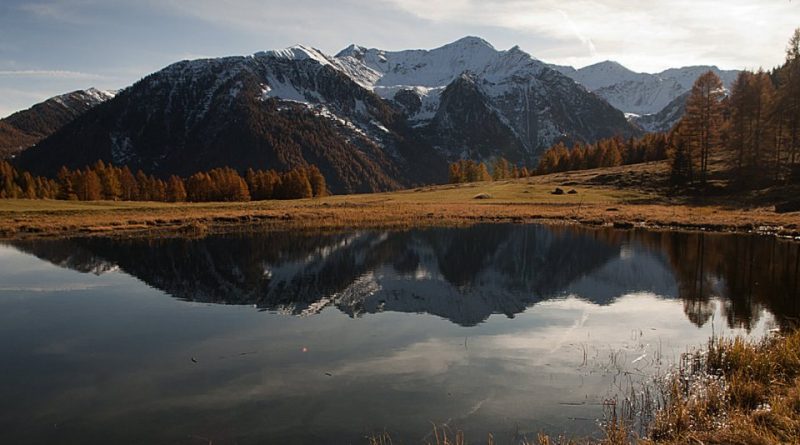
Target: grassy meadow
[(623, 197)]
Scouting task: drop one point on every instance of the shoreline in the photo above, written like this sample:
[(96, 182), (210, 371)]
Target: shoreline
[(158, 219), (624, 197)]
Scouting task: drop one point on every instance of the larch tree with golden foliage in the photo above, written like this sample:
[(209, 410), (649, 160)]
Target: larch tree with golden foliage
[(703, 120)]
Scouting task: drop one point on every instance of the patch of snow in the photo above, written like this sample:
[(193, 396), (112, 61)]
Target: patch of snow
[(286, 91), (100, 95), (379, 126), (298, 52)]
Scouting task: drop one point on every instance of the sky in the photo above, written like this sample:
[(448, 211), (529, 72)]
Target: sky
[(51, 47)]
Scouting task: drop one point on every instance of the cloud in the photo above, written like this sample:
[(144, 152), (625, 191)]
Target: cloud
[(55, 74), (647, 34)]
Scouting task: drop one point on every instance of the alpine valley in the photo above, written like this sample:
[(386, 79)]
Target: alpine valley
[(371, 120)]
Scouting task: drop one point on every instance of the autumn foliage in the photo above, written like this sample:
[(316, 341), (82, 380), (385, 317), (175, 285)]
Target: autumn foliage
[(467, 170), (605, 153), (755, 129), (107, 182)]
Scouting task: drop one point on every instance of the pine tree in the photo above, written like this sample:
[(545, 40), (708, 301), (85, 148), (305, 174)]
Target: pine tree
[(680, 162), (66, 188), (28, 186), (561, 153), (143, 192), (87, 185), (500, 169), (109, 178), (785, 114), (454, 174), (128, 185), (703, 120), (317, 180), (482, 173), (176, 191), (548, 162), (159, 189), (470, 171), (295, 185), (8, 186), (577, 157)]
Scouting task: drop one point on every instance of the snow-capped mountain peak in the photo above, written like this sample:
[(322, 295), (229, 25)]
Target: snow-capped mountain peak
[(640, 93), (604, 74), (99, 96), (516, 89), (437, 67), (352, 51), (468, 42)]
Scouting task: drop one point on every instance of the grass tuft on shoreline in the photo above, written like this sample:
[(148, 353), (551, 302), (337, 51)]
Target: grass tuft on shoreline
[(734, 392)]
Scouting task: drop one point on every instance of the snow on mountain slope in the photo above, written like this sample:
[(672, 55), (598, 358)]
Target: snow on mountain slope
[(370, 119), (664, 120), (640, 93), (438, 67), (605, 74), (537, 105), (278, 109), (25, 128), (686, 76)]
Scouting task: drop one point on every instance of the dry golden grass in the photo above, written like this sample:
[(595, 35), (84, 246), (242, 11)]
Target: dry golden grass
[(744, 393), (523, 200)]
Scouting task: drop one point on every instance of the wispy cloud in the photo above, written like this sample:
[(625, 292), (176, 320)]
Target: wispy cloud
[(648, 35), (55, 74), (643, 33)]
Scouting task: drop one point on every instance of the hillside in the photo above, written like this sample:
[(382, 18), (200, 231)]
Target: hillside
[(25, 128)]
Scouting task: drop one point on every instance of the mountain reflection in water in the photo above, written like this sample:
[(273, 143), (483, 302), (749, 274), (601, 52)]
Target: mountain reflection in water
[(463, 275)]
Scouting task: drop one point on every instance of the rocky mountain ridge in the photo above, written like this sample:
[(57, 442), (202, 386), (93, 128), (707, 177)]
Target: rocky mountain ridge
[(25, 128), (370, 119)]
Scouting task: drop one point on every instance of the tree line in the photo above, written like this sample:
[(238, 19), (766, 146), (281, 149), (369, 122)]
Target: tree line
[(101, 181), (467, 170), (754, 130), (558, 158), (609, 152)]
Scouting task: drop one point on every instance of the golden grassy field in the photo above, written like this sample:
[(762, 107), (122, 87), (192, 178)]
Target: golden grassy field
[(626, 203)]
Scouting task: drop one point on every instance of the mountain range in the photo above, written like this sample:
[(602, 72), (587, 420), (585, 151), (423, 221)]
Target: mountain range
[(655, 102), (369, 119)]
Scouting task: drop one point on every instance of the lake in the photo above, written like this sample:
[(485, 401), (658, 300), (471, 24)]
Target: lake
[(331, 337)]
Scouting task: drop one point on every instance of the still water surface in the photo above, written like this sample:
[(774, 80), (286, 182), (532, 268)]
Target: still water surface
[(328, 338)]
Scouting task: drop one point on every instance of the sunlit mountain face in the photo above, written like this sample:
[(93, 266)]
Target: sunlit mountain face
[(463, 275)]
